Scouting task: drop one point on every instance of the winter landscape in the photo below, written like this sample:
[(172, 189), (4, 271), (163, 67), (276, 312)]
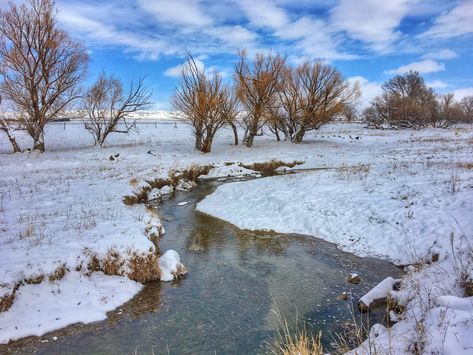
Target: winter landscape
[(265, 198)]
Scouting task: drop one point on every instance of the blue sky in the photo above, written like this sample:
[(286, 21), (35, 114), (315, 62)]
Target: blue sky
[(368, 40)]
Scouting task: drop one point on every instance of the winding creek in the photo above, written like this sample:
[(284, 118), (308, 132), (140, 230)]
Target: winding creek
[(224, 305)]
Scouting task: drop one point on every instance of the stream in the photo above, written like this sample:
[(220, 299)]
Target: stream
[(226, 302)]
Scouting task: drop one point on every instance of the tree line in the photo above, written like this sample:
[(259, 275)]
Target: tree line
[(42, 68)]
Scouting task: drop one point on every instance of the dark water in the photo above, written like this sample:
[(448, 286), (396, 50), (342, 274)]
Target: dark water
[(225, 304)]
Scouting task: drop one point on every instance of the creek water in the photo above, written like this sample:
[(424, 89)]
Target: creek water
[(226, 303)]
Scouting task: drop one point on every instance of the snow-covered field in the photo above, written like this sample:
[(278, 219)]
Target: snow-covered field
[(397, 195)]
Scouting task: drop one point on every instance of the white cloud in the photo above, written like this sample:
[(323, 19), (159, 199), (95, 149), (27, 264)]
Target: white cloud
[(370, 21), (436, 84), (369, 89), (443, 54), (176, 70), (176, 12), (263, 13), (456, 22), (461, 93), (423, 67)]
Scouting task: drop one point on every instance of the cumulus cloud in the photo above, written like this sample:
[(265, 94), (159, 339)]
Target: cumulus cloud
[(264, 13), (371, 21), (423, 67), (369, 89), (456, 22)]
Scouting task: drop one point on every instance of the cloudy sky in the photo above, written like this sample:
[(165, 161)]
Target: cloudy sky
[(368, 40)]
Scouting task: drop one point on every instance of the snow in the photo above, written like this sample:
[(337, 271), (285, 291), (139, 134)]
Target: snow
[(75, 298), (169, 264), (380, 291), (396, 195)]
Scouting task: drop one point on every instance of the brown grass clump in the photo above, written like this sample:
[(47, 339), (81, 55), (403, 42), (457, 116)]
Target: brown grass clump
[(141, 268), (113, 263), (144, 268), (300, 343), (137, 197), (58, 274), (190, 174), (159, 183), (34, 280), (7, 301), (133, 181), (465, 165), (271, 166)]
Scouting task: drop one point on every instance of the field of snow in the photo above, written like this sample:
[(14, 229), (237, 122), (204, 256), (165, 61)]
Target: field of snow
[(396, 195)]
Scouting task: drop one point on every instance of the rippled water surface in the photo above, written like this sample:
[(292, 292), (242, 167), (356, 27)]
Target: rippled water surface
[(224, 305)]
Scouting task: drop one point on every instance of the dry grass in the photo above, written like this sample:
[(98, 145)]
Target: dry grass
[(190, 174), (139, 267), (347, 172), (465, 165), (58, 274), (300, 342), (137, 197), (159, 183), (271, 166), (7, 301), (144, 268)]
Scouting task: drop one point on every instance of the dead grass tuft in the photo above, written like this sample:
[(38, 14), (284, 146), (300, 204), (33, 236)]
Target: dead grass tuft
[(113, 263), (465, 165), (137, 197), (7, 300), (159, 183), (190, 174), (346, 172), (58, 274), (300, 342), (271, 166), (144, 268), (133, 181), (34, 280)]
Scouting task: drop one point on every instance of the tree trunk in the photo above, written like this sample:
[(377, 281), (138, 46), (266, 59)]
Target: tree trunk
[(249, 139), (38, 141), (10, 136), (235, 133), (198, 141), (299, 136), (206, 145), (276, 132)]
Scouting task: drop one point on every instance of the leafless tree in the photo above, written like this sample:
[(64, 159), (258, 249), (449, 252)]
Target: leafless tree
[(449, 112), (467, 107), (204, 102), (108, 109), (406, 101), (257, 85), (312, 95), (41, 65)]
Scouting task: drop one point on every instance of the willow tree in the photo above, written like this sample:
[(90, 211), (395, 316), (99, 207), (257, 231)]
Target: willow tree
[(204, 102), (313, 94), (257, 82), (41, 66)]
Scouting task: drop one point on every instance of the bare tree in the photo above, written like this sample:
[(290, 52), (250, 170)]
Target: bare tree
[(406, 101), (314, 94), (41, 65), (257, 89), (108, 109), (467, 107), (205, 103), (449, 112)]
